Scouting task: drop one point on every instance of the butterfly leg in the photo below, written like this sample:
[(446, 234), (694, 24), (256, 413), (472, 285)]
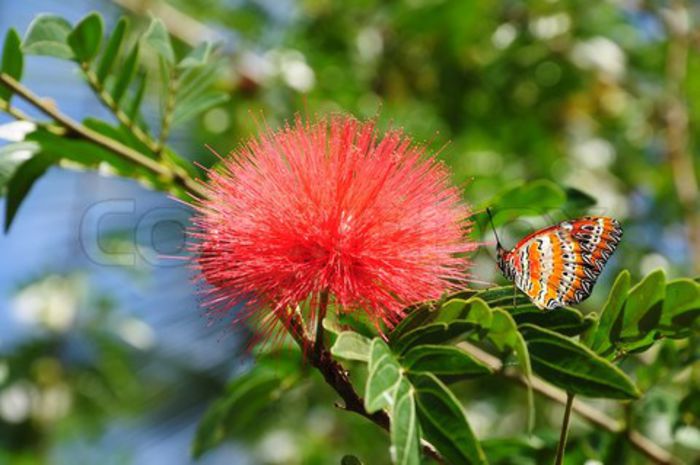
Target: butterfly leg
[(515, 291)]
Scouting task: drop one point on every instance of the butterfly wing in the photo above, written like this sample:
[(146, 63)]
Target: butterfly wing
[(559, 265)]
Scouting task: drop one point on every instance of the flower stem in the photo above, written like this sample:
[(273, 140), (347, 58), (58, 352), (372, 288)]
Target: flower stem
[(337, 378), (320, 315), (564, 429)]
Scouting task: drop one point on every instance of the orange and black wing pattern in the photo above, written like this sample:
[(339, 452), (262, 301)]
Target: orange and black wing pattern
[(559, 265)]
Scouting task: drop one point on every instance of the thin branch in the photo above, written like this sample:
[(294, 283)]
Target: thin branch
[(116, 110), (337, 377), (563, 435), (113, 146), (655, 453)]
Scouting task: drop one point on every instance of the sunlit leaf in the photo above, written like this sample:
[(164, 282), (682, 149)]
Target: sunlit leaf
[(351, 346), (197, 57), (158, 39), (48, 35), (384, 377), (405, 433), (188, 110), (601, 339)]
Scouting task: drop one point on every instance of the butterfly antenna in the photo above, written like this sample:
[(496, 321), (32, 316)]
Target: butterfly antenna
[(498, 241)]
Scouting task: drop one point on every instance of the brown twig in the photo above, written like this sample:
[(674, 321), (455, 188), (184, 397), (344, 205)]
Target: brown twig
[(337, 377), (653, 452)]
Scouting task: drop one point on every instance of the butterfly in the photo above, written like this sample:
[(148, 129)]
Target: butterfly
[(559, 265)]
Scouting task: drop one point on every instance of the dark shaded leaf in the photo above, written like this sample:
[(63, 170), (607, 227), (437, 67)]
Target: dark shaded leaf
[(11, 157), (245, 398), (577, 201), (48, 35), (22, 181), (443, 361), (434, 333), (575, 368), (565, 320), (601, 339), (86, 38), (350, 460), (111, 53), (12, 61), (444, 423)]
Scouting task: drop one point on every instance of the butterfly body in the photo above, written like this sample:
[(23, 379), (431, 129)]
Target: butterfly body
[(559, 265)]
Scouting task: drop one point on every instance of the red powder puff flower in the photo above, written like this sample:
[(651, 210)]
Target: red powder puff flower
[(330, 209)]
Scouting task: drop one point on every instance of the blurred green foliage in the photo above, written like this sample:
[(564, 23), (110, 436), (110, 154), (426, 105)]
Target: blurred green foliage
[(547, 108)]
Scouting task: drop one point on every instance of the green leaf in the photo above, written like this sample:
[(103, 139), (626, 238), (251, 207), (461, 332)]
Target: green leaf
[(473, 310), (530, 199), (574, 367), (86, 38), (126, 74), (444, 423), (11, 157), (405, 434), (601, 340), (111, 53), (433, 333), (197, 57), (48, 35), (187, 110), (351, 346), (415, 317), (384, 377), (564, 320), (503, 296), (577, 201), (22, 181), (239, 407), (12, 61), (443, 361), (642, 311), (158, 39), (133, 111), (681, 308)]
